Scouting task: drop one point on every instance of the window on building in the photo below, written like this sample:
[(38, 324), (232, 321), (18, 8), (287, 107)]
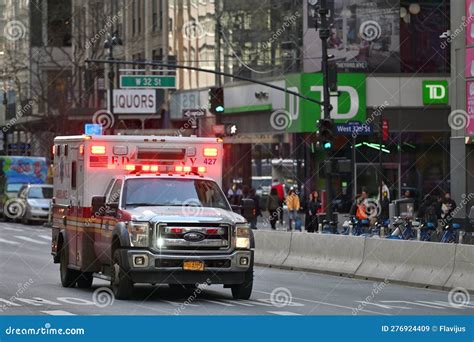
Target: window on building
[(154, 19)]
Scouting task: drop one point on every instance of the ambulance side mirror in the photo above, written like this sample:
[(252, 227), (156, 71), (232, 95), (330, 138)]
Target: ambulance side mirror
[(98, 205)]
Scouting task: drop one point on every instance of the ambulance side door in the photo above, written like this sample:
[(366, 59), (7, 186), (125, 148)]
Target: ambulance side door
[(109, 220)]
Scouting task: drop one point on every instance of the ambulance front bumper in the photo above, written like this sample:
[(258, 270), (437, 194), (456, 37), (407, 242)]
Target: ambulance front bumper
[(145, 266)]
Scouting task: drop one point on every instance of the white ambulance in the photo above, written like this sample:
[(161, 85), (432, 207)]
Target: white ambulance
[(147, 209)]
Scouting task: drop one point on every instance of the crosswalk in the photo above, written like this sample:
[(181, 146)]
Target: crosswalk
[(21, 235)]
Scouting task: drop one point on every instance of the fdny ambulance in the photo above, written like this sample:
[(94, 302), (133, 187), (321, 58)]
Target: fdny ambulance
[(146, 209)]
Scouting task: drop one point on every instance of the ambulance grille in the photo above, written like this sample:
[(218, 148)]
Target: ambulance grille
[(178, 242)]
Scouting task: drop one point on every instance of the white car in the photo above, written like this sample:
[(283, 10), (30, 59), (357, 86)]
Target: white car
[(36, 200)]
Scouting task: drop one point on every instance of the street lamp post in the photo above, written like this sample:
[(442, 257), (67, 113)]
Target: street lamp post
[(111, 41)]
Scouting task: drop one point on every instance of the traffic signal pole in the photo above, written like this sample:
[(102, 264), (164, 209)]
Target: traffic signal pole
[(326, 112)]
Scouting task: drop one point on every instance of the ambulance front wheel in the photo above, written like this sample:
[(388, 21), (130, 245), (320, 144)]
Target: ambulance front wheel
[(68, 276), (122, 285)]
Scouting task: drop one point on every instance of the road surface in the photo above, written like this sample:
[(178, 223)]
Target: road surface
[(30, 285)]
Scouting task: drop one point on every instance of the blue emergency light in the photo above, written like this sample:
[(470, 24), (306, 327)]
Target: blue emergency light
[(93, 129)]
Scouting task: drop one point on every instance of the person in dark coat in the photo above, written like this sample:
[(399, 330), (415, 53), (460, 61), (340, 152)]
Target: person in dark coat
[(274, 207), (311, 217), (256, 211)]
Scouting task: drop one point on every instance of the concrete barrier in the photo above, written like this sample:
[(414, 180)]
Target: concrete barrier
[(327, 253), (463, 274), (271, 247), (414, 262)]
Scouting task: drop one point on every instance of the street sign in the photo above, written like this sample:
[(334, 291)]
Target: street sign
[(134, 101), (354, 128), (196, 113), (147, 81), (93, 129)]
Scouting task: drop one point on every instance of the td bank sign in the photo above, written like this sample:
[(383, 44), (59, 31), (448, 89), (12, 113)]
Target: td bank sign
[(348, 106)]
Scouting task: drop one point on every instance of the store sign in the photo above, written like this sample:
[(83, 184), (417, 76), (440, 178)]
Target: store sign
[(350, 105), (470, 22), (435, 92), (470, 108), (136, 101)]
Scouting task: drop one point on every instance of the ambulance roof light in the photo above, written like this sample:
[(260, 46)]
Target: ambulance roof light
[(98, 149)]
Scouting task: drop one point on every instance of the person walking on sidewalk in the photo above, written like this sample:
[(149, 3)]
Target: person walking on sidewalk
[(274, 207), (293, 204), (280, 188), (311, 217), (256, 209)]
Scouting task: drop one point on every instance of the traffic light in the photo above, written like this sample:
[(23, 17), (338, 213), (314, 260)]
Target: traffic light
[(216, 100), (325, 133)]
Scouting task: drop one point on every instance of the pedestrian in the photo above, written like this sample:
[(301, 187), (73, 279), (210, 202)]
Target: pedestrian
[(359, 208), (280, 188), (447, 207), (311, 217), (274, 207), (234, 194), (293, 204), (256, 209), (384, 207)]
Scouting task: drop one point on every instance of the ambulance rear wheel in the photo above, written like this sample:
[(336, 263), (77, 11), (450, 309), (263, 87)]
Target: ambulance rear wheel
[(68, 276), (85, 280), (122, 285)]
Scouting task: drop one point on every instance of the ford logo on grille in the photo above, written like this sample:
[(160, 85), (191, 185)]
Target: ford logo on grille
[(194, 236)]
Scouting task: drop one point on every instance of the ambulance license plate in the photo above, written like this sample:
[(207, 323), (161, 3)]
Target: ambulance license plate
[(193, 265)]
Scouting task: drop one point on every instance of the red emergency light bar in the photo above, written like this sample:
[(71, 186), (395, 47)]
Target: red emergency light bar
[(147, 168)]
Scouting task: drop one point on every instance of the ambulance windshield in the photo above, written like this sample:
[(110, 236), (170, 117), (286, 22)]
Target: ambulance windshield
[(173, 192)]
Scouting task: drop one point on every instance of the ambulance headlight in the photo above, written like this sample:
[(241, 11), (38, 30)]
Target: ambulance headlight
[(242, 236), (138, 232)]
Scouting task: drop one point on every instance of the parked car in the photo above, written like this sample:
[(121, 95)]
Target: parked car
[(36, 200)]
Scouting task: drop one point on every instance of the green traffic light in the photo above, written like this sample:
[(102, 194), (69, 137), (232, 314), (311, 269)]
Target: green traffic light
[(327, 145), (220, 109)]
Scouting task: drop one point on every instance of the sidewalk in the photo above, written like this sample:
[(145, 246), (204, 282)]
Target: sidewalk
[(264, 222)]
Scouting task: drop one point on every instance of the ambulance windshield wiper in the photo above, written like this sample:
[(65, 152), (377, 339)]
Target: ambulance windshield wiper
[(141, 204)]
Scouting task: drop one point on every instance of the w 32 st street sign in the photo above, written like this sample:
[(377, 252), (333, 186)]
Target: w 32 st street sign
[(147, 81)]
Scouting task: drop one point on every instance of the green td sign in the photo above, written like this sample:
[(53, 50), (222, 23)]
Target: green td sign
[(435, 92), (350, 105)]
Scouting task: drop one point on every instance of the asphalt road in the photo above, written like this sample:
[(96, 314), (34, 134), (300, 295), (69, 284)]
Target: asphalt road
[(30, 285)]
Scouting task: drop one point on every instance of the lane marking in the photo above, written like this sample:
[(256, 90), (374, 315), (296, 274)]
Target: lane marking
[(412, 303), (11, 229), (382, 306), (9, 242), (216, 302), (330, 304), (46, 237), (236, 302), (30, 240), (178, 303), (58, 313), (284, 313), (258, 302)]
